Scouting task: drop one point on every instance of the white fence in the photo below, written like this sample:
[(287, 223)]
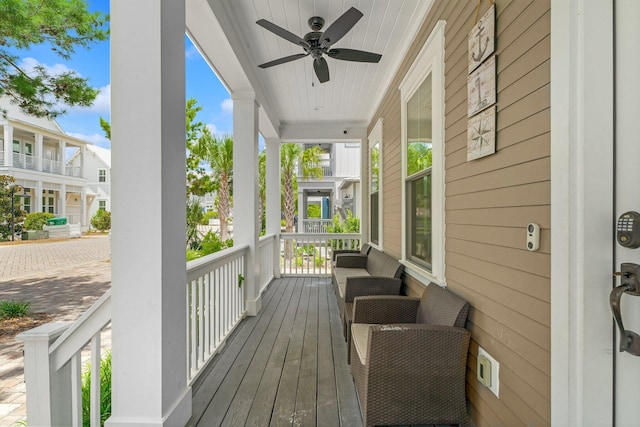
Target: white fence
[(53, 365), (215, 303), (266, 249), (314, 225), (302, 253)]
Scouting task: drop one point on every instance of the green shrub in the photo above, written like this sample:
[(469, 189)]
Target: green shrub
[(350, 225), (193, 254), (13, 309), (36, 220), (319, 260), (105, 391), (212, 243), (101, 220), (313, 211), (299, 261), (207, 216)]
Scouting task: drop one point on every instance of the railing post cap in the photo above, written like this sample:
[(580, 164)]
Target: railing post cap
[(44, 332)]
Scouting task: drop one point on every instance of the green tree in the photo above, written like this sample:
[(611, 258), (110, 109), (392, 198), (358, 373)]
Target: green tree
[(10, 212), (194, 217), (101, 220), (106, 128), (199, 182), (218, 153), (293, 156), (262, 187), (63, 25), (419, 157)]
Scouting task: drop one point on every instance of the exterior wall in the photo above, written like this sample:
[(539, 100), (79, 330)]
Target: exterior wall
[(489, 202), (347, 159), (102, 190)]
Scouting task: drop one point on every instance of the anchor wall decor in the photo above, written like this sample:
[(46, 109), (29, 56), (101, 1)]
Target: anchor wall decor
[(481, 87)]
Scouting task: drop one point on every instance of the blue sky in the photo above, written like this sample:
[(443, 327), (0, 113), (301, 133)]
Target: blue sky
[(93, 64)]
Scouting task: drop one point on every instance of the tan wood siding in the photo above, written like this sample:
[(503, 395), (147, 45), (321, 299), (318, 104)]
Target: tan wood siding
[(489, 202)]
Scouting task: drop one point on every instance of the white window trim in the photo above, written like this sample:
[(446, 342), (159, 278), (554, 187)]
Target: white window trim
[(105, 175), (430, 60), (375, 137)]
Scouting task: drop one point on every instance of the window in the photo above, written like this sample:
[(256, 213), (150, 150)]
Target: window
[(28, 148), (48, 201), (422, 111), (102, 205), (102, 175), (375, 184), (26, 204)]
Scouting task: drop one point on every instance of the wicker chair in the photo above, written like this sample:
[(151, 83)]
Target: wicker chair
[(364, 250), (409, 357)]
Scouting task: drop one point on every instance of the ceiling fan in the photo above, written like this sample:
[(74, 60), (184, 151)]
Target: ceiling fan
[(316, 43)]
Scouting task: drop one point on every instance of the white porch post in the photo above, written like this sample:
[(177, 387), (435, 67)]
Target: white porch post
[(38, 197), (83, 207), (149, 337), (302, 209), (62, 201), (363, 211), (83, 156), (272, 146), (245, 183), (62, 148), (582, 170), (8, 145), (39, 138)]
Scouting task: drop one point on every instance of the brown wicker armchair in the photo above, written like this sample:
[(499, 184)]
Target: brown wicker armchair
[(411, 371)]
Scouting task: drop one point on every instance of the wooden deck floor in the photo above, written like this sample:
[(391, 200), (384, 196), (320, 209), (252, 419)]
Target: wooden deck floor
[(286, 366)]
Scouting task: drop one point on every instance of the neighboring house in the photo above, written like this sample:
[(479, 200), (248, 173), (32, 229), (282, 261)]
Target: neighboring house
[(336, 192), (97, 166), (566, 159), (34, 151)]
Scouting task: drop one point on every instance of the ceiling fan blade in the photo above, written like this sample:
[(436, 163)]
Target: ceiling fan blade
[(322, 69), (340, 27), (283, 60), (354, 55), (279, 31)]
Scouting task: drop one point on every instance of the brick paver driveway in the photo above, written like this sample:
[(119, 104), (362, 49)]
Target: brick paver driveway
[(62, 278)]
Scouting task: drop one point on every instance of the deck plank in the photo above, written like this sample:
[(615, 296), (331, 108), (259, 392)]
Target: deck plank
[(222, 399), (305, 413), (285, 404), (260, 413), (286, 366)]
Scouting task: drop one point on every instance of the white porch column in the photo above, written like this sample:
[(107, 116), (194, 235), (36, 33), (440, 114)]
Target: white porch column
[(37, 202), (83, 156), (83, 208), (62, 155), (272, 146), (39, 138), (245, 183), (148, 285), (8, 145), (363, 209), (62, 201), (302, 200)]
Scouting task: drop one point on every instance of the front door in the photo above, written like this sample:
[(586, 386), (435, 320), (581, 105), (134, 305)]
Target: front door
[(627, 196)]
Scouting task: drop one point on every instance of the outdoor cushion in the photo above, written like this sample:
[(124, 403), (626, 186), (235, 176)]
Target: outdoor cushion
[(360, 338), (342, 274)]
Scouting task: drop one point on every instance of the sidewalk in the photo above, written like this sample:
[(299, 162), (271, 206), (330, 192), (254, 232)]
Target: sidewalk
[(62, 278)]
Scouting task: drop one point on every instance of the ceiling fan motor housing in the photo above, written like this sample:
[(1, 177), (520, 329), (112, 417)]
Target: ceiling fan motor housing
[(316, 23)]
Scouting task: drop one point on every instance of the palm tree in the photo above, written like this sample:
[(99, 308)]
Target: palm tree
[(218, 152), (262, 186)]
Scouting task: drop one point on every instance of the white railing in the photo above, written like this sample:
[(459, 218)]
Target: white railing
[(315, 225), (266, 252), (52, 166), (74, 219), (53, 362), (75, 171), (215, 303), (24, 161), (2, 158), (311, 253), (326, 165)]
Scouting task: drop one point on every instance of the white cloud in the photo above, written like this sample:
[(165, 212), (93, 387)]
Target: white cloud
[(102, 103), (29, 64), (227, 105), (95, 138), (218, 133), (191, 53)]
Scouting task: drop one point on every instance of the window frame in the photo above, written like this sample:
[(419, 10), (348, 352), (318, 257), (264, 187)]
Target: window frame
[(375, 137), (100, 175), (430, 61)]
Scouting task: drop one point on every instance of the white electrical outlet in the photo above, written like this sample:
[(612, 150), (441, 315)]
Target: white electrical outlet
[(488, 371)]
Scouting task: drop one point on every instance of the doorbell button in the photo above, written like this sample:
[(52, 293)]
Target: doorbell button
[(533, 237)]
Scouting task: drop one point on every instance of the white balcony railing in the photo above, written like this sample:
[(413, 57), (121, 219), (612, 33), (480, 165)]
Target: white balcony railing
[(302, 253), (326, 165), (266, 249), (215, 305), (75, 171), (24, 161), (52, 166), (314, 225)]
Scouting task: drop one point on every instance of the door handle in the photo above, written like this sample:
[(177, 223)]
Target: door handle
[(630, 284)]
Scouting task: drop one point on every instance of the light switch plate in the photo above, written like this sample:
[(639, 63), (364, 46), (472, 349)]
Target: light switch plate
[(492, 376)]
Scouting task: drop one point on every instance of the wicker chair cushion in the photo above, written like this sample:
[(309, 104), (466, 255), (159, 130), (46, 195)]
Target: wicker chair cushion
[(360, 338), (381, 264), (341, 275), (441, 307)]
